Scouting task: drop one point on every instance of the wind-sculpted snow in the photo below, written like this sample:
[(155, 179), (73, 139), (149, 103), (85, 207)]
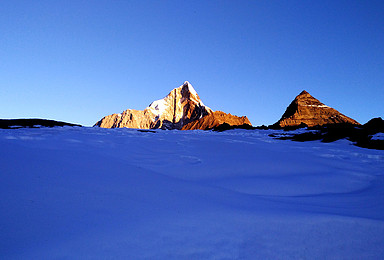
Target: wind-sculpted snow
[(94, 193)]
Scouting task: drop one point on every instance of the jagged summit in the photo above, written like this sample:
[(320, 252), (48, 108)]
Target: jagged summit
[(310, 111), (188, 88), (180, 107), (188, 85), (188, 92), (183, 95)]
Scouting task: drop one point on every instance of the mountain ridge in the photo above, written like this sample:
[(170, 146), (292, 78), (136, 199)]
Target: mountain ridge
[(179, 108)]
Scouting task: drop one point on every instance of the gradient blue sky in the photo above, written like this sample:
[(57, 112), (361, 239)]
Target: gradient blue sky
[(78, 61)]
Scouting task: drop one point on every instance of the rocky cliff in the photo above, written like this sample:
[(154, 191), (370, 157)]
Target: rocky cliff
[(310, 111), (215, 119), (180, 107)]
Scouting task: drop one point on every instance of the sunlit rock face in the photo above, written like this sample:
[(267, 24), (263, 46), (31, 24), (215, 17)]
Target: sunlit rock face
[(215, 119), (180, 107), (310, 111)]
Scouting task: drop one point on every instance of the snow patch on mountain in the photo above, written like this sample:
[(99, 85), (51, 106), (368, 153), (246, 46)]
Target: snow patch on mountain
[(322, 106), (158, 107)]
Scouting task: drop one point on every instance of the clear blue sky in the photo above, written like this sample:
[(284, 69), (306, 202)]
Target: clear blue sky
[(78, 61)]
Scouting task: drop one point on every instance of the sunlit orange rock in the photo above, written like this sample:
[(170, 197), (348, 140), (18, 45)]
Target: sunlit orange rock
[(215, 119), (310, 111)]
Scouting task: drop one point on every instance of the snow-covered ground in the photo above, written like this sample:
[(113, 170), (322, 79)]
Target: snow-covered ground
[(92, 193)]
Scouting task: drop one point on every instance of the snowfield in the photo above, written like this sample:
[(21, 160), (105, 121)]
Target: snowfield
[(93, 193)]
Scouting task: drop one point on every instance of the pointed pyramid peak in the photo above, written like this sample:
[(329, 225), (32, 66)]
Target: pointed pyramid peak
[(310, 111), (304, 92)]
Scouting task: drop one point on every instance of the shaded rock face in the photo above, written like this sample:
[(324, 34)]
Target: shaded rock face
[(215, 119), (180, 107), (306, 109)]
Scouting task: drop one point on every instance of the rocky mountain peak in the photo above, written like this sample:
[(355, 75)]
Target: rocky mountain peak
[(310, 111), (180, 107)]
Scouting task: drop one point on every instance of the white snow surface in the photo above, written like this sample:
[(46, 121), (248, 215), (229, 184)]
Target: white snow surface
[(94, 193)]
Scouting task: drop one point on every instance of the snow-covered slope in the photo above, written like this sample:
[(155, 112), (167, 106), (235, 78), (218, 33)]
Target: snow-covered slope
[(94, 193)]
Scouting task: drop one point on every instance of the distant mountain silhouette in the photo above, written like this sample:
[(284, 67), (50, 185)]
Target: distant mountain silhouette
[(31, 123), (182, 109)]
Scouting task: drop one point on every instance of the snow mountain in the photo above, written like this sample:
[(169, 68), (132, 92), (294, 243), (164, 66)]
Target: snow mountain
[(179, 108)]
